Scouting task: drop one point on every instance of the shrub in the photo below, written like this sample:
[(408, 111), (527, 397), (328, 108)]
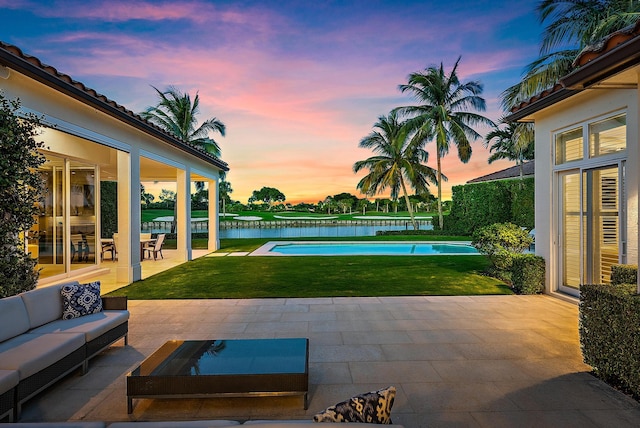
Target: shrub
[(481, 204), (20, 195), (624, 274), (610, 334), (500, 242), (420, 232), (527, 274)]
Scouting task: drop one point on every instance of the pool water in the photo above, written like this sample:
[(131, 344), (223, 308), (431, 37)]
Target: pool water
[(364, 248)]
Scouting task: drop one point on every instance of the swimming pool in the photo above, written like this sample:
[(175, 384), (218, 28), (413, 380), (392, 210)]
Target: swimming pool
[(346, 248)]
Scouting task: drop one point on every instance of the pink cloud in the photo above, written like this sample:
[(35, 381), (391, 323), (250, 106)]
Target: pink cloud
[(293, 122)]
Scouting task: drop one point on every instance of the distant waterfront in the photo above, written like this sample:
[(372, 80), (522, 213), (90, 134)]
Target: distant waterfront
[(292, 229)]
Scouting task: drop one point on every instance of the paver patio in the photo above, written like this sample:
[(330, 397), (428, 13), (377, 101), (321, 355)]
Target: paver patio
[(481, 361)]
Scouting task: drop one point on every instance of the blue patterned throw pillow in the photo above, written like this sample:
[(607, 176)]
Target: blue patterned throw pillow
[(372, 407), (80, 299)]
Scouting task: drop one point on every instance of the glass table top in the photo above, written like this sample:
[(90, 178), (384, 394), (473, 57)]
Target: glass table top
[(226, 357)]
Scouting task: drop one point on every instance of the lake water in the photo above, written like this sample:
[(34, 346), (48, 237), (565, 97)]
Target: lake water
[(313, 231), (282, 230)]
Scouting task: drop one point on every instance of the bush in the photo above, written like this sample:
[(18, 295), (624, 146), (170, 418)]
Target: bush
[(420, 232), (478, 205), (500, 242), (624, 274), (20, 195), (527, 274), (610, 334)]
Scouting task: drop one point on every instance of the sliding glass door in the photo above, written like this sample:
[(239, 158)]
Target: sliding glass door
[(66, 226), (590, 227)]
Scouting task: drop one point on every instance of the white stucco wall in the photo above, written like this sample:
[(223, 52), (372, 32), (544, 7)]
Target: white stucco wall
[(586, 106), (75, 124)]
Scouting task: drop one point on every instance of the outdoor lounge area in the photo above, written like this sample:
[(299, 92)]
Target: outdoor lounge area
[(455, 361)]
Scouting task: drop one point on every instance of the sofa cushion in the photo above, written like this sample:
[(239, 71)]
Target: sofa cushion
[(14, 319), (304, 424), (75, 424), (372, 407), (29, 353), (44, 304), (175, 424), (79, 300), (92, 326), (8, 379)]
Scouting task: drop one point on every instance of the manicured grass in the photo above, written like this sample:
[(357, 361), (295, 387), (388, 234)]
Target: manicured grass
[(264, 277)]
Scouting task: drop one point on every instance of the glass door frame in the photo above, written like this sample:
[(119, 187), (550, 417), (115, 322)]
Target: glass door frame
[(586, 219), (66, 166)]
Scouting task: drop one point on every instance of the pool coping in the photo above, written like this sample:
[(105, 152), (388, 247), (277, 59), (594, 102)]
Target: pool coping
[(265, 249)]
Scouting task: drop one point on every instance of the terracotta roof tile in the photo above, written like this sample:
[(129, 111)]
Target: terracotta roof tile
[(588, 55)]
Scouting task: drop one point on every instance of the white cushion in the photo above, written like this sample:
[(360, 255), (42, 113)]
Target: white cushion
[(30, 353), (14, 319), (92, 326), (44, 304), (175, 424), (8, 380)]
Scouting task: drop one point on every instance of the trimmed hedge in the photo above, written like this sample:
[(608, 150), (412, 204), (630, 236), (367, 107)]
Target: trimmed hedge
[(420, 232), (610, 333), (624, 274), (527, 273), (482, 204)]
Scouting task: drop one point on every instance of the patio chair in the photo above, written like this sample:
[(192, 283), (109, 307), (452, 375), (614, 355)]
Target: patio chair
[(77, 246), (111, 247), (156, 248)]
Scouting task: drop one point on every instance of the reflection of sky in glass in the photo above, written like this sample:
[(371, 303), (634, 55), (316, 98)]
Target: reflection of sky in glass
[(263, 356)]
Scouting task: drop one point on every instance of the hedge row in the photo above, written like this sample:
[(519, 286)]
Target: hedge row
[(481, 204), (610, 333)]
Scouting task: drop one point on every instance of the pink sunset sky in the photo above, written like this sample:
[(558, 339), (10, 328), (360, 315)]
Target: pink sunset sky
[(297, 83)]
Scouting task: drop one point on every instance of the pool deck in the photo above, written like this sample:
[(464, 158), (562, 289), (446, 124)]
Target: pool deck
[(463, 361)]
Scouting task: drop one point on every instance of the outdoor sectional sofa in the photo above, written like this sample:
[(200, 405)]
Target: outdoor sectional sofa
[(38, 347), (192, 424)]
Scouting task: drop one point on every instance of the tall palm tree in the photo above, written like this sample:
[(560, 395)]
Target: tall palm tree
[(224, 189), (572, 26), (514, 141), (176, 113), (444, 113), (399, 161)]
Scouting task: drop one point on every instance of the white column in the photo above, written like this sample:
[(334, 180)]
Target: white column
[(214, 217), (183, 213), (124, 273), (135, 216)]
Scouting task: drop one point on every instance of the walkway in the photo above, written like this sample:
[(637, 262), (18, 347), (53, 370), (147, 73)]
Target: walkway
[(485, 361)]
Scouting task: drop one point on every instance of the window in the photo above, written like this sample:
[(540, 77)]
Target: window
[(608, 136), (569, 146)]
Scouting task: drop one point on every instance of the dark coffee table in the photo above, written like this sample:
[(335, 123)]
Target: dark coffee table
[(222, 368)]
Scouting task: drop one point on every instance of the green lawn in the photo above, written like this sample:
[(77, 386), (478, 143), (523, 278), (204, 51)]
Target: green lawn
[(263, 277)]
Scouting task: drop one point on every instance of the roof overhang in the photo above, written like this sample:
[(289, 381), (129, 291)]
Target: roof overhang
[(599, 67), (14, 59)]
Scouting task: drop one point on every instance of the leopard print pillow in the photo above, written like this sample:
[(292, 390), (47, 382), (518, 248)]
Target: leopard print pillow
[(373, 407)]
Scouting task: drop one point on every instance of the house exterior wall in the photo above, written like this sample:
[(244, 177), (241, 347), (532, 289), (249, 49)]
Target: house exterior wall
[(583, 107), (119, 145)]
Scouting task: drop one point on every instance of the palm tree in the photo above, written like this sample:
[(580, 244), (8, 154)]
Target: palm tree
[(443, 113), (176, 113), (514, 141), (224, 188), (573, 25), (399, 161)]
